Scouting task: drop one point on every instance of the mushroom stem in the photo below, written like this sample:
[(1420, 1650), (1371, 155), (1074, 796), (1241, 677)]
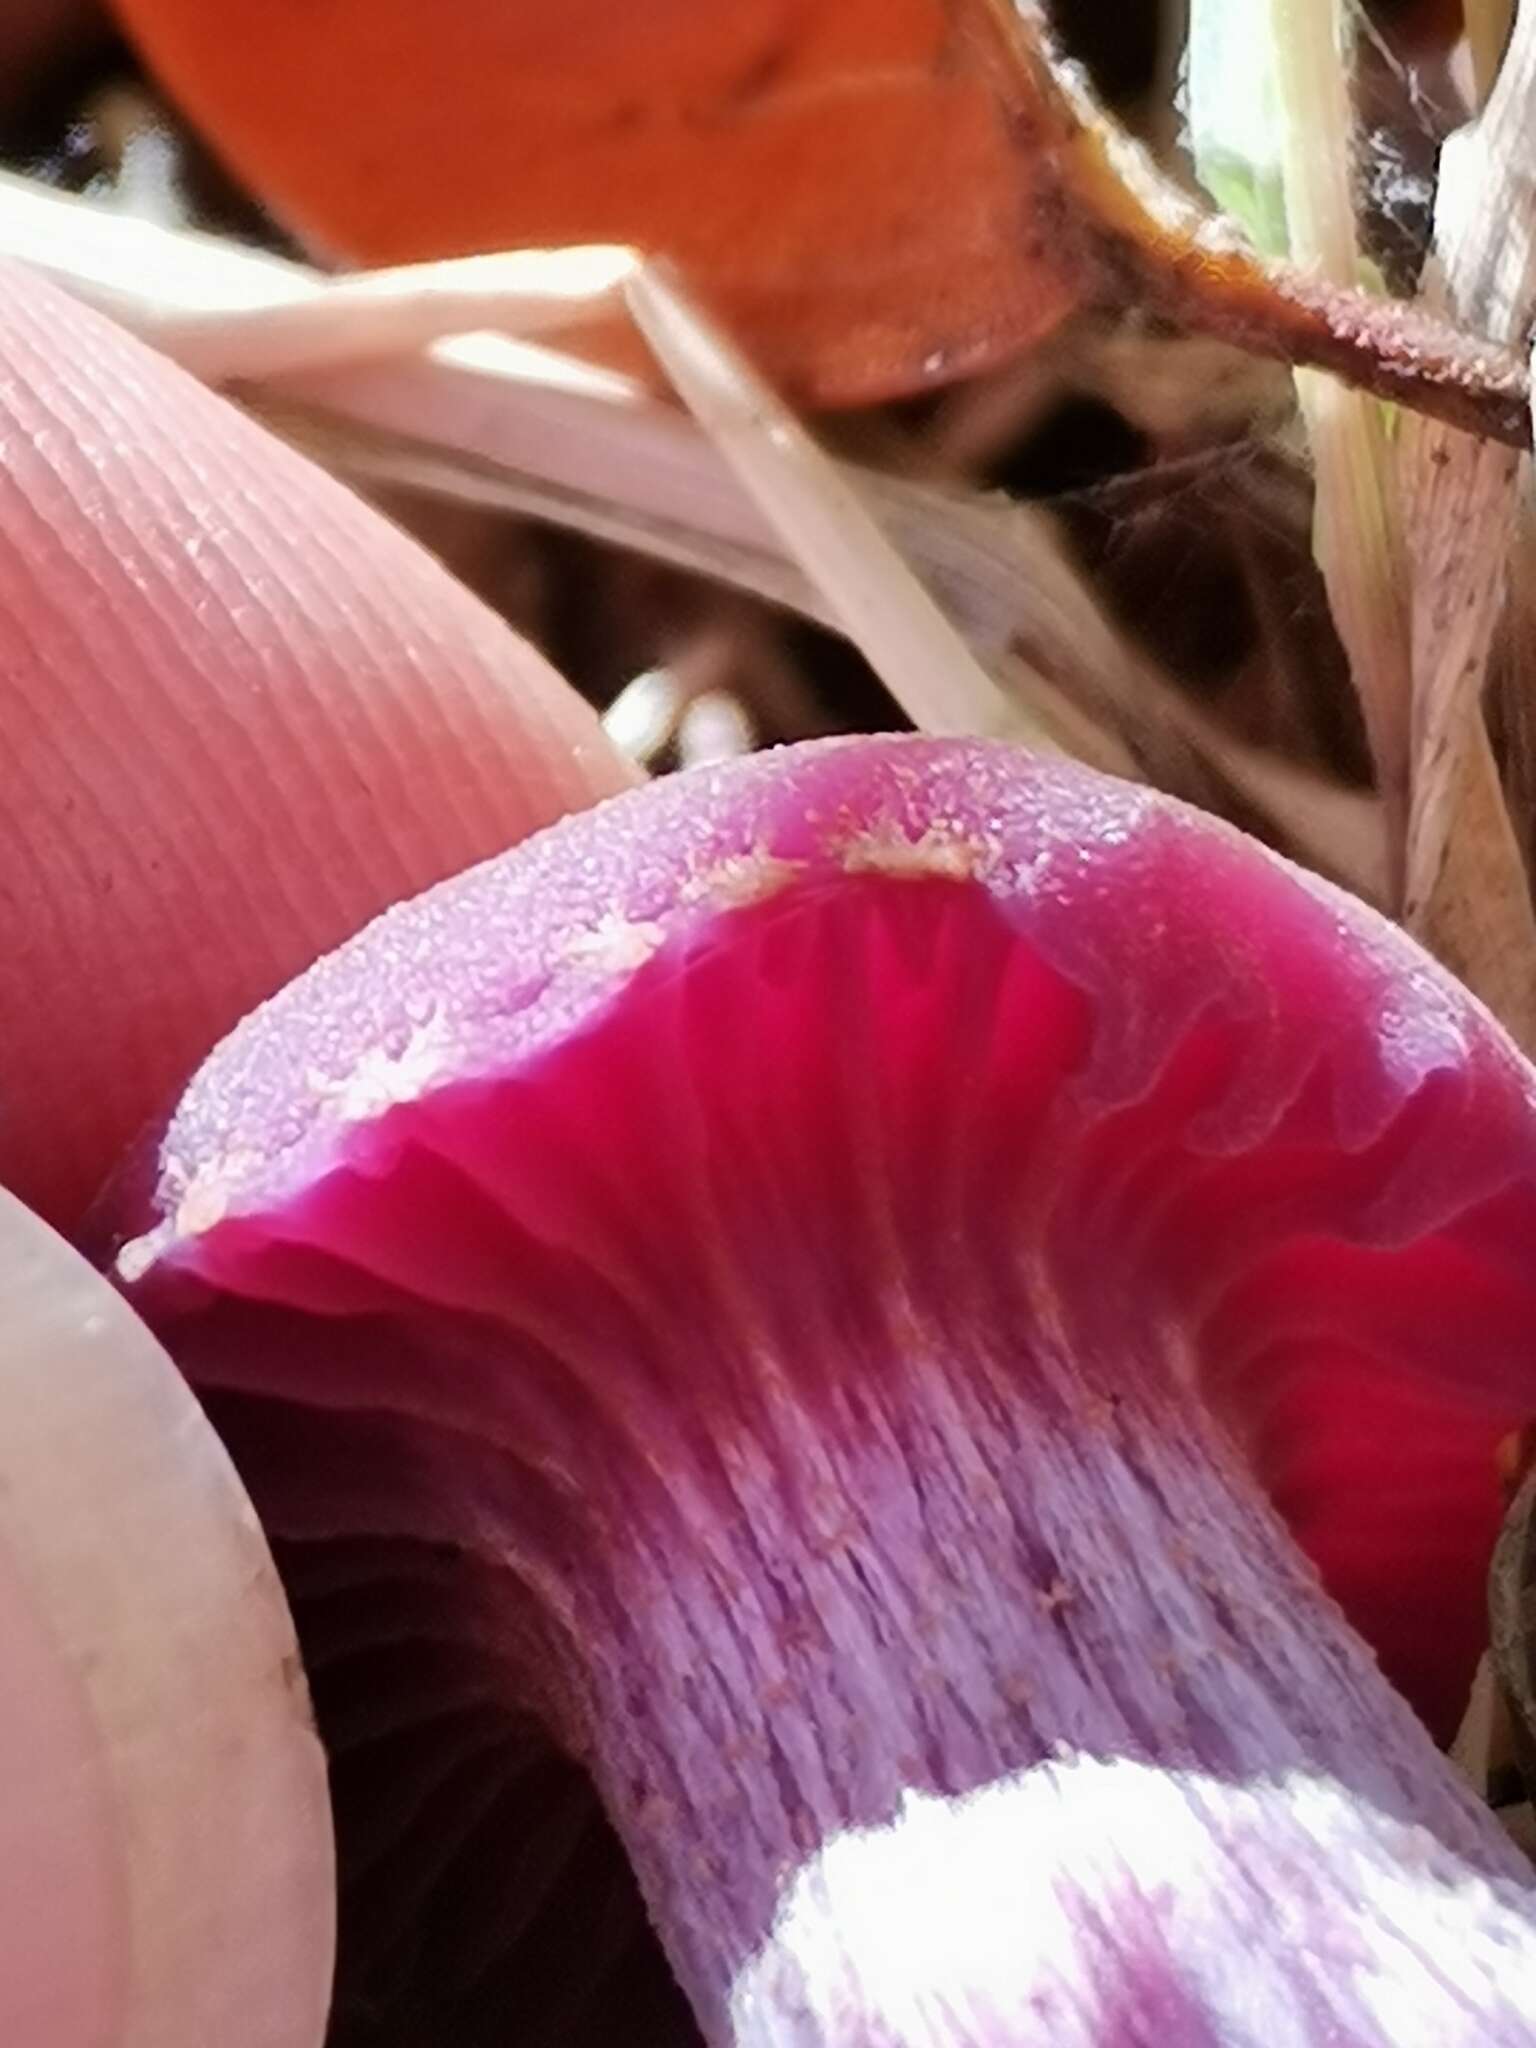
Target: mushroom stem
[(947, 1685), (1117, 1756)]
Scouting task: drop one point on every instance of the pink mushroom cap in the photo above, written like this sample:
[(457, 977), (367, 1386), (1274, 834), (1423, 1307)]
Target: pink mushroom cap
[(812, 1295)]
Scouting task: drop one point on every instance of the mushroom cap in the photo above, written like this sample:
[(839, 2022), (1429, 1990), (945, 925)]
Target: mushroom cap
[(1290, 1131), (868, 1015)]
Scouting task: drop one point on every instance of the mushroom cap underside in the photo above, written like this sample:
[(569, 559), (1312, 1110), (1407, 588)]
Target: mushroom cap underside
[(876, 1038), (1204, 1090)]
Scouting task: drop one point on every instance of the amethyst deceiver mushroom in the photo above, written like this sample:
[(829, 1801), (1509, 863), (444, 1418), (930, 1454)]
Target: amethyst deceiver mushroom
[(819, 1286)]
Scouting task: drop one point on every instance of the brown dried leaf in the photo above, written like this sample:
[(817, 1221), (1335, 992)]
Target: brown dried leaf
[(1513, 693), (1512, 1626), (1478, 919), (1461, 495), (1467, 889)]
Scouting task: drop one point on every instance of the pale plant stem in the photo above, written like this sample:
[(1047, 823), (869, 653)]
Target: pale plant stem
[(1316, 162), (825, 523), (1357, 539)]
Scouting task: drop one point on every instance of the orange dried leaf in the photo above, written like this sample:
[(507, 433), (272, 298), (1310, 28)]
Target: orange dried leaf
[(836, 175), (876, 195)]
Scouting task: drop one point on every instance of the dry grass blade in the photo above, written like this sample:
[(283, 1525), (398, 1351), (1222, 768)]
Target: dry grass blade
[(484, 420), (999, 570), (228, 313), (826, 526), (1467, 889), (381, 313), (307, 325)]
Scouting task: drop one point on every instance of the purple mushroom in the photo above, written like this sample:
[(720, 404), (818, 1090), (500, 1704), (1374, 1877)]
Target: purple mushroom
[(870, 1303)]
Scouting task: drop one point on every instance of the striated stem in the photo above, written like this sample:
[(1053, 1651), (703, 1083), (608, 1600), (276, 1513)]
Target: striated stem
[(972, 1704)]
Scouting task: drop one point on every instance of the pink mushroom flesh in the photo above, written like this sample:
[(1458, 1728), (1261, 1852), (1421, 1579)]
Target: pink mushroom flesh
[(827, 1289)]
